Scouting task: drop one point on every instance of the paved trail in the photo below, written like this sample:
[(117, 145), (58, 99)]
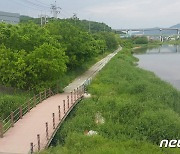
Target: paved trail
[(18, 138)]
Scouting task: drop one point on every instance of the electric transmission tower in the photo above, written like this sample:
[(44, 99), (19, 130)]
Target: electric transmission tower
[(75, 18), (55, 10)]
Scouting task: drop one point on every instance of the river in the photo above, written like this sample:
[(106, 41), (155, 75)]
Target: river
[(164, 61)]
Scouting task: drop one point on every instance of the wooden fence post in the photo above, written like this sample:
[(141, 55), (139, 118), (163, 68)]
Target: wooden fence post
[(32, 148), (45, 94), (35, 101), (80, 91), (68, 101), (77, 93), (29, 106), (54, 121), (12, 119), (47, 131), (59, 109), (74, 95), (84, 89), (64, 106), (20, 112), (1, 129), (39, 143), (71, 98), (40, 97), (49, 92)]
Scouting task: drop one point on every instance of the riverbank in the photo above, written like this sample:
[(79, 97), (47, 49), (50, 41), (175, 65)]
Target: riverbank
[(164, 61), (137, 47), (173, 42), (131, 110), (154, 44)]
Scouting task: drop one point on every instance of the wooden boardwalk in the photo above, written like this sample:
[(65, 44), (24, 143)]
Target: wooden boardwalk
[(40, 124)]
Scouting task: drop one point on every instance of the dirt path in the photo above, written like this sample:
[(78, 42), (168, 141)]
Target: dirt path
[(18, 138)]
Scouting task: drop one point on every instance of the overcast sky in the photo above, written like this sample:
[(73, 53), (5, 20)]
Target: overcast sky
[(115, 13)]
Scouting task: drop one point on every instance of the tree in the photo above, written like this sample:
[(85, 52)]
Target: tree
[(45, 64), (80, 45), (111, 40), (141, 40), (12, 67)]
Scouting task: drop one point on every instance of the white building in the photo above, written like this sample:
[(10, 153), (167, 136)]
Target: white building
[(11, 18)]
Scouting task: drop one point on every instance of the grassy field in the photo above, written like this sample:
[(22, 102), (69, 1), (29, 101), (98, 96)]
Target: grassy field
[(11, 101), (149, 45), (139, 110)]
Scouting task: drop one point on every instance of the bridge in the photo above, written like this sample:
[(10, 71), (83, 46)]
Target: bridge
[(143, 30), (33, 125)]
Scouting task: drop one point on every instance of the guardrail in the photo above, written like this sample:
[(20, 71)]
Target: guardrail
[(9, 121), (75, 97), (72, 99)]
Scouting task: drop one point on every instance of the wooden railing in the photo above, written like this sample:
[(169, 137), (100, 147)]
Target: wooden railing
[(72, 99), (9, 121)]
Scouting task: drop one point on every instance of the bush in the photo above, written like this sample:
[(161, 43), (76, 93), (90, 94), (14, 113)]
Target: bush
[(141, 40)]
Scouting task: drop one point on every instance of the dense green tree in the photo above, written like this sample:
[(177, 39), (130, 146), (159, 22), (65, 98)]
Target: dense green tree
[(111, 40), (80, 45), (12, 67), (35, 57), (45, 65), (24, 36)]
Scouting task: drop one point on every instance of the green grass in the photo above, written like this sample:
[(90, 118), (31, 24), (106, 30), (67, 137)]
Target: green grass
[(11, 101), (139, 111), (149, 45)]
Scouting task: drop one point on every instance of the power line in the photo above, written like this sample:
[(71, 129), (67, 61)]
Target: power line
[(42, 3), (34, 4), (27, 6), (40, 6)]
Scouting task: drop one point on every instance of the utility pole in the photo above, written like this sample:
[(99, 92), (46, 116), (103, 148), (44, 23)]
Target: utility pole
[(55, 10), (43, 19)]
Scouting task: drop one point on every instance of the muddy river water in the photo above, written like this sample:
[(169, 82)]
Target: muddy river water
[(164, 61)]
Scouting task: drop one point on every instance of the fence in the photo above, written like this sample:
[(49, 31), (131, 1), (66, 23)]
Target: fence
[(9, 122), (68, 104)]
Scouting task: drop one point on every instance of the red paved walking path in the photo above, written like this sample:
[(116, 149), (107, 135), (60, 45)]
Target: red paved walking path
[(18, 138)]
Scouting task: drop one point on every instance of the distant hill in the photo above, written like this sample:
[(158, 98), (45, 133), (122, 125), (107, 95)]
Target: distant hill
[(82, 24), (176, 26)]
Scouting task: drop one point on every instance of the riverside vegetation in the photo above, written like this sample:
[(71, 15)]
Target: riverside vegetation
[(33, 58), (138, 108)]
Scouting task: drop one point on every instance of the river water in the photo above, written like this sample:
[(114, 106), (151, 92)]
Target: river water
[(164, 61)]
